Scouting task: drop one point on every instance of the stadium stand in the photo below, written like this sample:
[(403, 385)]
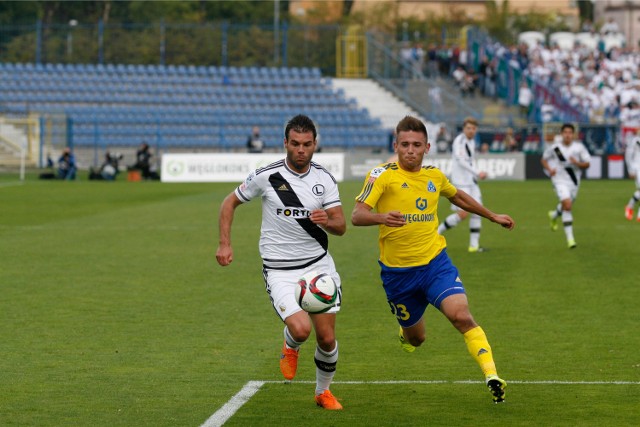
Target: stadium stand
[(185, 106)]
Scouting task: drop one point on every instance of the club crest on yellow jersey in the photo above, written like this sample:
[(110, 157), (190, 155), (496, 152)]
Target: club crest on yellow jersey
[(421, 203)]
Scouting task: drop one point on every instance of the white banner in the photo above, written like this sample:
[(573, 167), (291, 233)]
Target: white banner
[(502, 166), (497, 166), (232, 167)]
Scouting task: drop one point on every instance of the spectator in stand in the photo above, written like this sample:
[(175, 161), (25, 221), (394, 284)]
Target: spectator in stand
[(417, 60), (610, 27), (444, 60), (510, 143), (587, 26), (67, 165), (491, 78), (454, 59), (432, 61), (462, 59), (443, 140), (254, 142), (406, 55), (470, 83), (482, 75), (531, 143), (463, 81), (459, 75), (525, 98), (435, 95)]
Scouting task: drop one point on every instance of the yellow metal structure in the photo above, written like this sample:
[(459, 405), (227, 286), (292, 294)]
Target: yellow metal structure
[(351, 53)]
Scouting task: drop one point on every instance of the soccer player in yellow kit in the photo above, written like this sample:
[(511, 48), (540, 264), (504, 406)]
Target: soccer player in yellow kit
[(415, 268)]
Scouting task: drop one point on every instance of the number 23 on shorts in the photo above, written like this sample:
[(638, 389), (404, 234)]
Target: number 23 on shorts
[(399, 310)]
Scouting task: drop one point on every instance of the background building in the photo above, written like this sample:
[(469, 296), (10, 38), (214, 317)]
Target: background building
[(421, 9), (623, 12)]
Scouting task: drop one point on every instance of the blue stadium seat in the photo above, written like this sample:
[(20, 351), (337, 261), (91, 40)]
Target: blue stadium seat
[(185, 105)]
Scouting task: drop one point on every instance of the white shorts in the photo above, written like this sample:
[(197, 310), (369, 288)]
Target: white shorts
[(281, 286), (566, 191), (472, 190)]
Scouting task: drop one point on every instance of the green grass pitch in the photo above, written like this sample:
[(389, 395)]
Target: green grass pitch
[(114, 313)]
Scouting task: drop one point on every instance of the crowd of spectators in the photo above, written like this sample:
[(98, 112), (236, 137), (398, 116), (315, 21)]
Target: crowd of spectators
[(599, 82), (605, 85), (452, 62)]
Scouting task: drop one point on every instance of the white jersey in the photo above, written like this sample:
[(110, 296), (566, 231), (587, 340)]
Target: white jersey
[(288, 238), (558, 154), (463, 172), (632, 156)]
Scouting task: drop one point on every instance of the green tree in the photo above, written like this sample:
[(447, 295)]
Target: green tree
[(497, 20), (585, 8), (243, 11), (19, 12)]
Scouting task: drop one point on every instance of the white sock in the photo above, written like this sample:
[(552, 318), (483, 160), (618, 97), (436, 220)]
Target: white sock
[(635, 199), (475, 223), (449, 222), (325, 368), (289, 341), (567, 221)]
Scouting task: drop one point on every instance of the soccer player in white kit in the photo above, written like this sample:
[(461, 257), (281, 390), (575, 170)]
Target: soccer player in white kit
[(564, 162), (632, 158), (465, 176), (300, 205)]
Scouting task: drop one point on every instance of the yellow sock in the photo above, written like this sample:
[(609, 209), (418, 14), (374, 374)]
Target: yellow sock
[(480, 350)]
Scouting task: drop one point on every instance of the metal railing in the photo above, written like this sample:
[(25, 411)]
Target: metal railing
[(400, 77), (212, 43)]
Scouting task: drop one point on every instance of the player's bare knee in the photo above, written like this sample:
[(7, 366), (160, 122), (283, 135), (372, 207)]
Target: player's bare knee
[(463, 321), (327, 342), (300, 331), (417, 341)]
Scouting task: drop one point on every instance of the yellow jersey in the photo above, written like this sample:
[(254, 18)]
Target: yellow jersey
[(415, 194)]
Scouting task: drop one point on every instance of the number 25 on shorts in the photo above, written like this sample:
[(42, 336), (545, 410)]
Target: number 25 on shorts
[(399, 310)]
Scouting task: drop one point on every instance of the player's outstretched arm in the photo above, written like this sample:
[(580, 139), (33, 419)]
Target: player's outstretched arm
[(363, 215), (224, 254), (466, 202)]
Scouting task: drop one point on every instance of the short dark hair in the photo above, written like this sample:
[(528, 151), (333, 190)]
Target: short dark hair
[(300, 123), (410, 123), (568, 125)]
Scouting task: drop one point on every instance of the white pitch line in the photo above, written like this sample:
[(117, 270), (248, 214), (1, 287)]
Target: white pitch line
[(252, 387), (539, 382), (11, 184), (235, 403)]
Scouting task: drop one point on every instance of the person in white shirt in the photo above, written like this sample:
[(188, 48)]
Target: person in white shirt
[(300, 205), (465, 176), (610, 27), (525, 97), (564, 162), (632, 158)]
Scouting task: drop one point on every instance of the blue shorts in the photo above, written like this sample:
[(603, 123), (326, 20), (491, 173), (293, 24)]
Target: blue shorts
[(410, 290)]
